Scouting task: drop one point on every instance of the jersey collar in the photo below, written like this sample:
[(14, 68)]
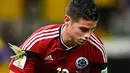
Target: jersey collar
[(62, 43)]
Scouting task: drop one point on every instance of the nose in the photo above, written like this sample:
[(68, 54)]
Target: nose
[(87, 35)]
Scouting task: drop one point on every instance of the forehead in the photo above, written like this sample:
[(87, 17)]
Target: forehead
[(87, 23)]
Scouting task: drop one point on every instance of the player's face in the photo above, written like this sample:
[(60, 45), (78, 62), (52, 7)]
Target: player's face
[(80, 31)]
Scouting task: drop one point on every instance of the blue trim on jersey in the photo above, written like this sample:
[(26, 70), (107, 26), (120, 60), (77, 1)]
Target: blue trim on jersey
[(61, 41)]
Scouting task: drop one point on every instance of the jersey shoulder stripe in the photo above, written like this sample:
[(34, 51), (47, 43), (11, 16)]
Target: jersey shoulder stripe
[(37, 36), (48, 37), (93, 40)]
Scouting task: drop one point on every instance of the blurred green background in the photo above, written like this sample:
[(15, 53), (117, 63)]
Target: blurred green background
[(19, 18)]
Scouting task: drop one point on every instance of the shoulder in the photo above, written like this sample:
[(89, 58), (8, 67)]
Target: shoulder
[(95, 40), (42, 36), (47, 28), (98, 45), (46, 32)]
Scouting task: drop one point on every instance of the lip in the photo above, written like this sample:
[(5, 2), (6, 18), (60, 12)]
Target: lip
[(82, 41)]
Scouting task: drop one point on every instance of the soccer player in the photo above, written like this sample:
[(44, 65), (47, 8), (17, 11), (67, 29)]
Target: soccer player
[(71, 47)]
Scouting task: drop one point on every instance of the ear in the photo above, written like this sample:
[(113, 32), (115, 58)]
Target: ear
[(67, 20)]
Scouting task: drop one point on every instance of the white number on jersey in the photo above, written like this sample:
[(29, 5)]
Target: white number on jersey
[(59, 70)]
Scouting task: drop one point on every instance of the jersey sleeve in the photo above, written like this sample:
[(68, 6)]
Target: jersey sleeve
[(99, 55), (100, 63), (32, 46)]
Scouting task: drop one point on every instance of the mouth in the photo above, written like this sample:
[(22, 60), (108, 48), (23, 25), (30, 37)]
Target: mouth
[(82, 41)]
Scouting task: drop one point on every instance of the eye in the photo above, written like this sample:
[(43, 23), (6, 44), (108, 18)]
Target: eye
[(83, 29)]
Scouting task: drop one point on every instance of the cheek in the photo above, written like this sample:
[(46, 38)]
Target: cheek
[(77, 33)]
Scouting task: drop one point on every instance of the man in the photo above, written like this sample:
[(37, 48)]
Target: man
[(71, 47)]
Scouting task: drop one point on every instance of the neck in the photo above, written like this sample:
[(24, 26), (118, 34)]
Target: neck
[(67, 40)]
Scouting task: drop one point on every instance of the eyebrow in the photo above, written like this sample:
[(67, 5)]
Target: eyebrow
[(88, 28)]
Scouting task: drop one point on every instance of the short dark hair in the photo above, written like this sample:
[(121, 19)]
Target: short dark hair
[(85, 9)]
